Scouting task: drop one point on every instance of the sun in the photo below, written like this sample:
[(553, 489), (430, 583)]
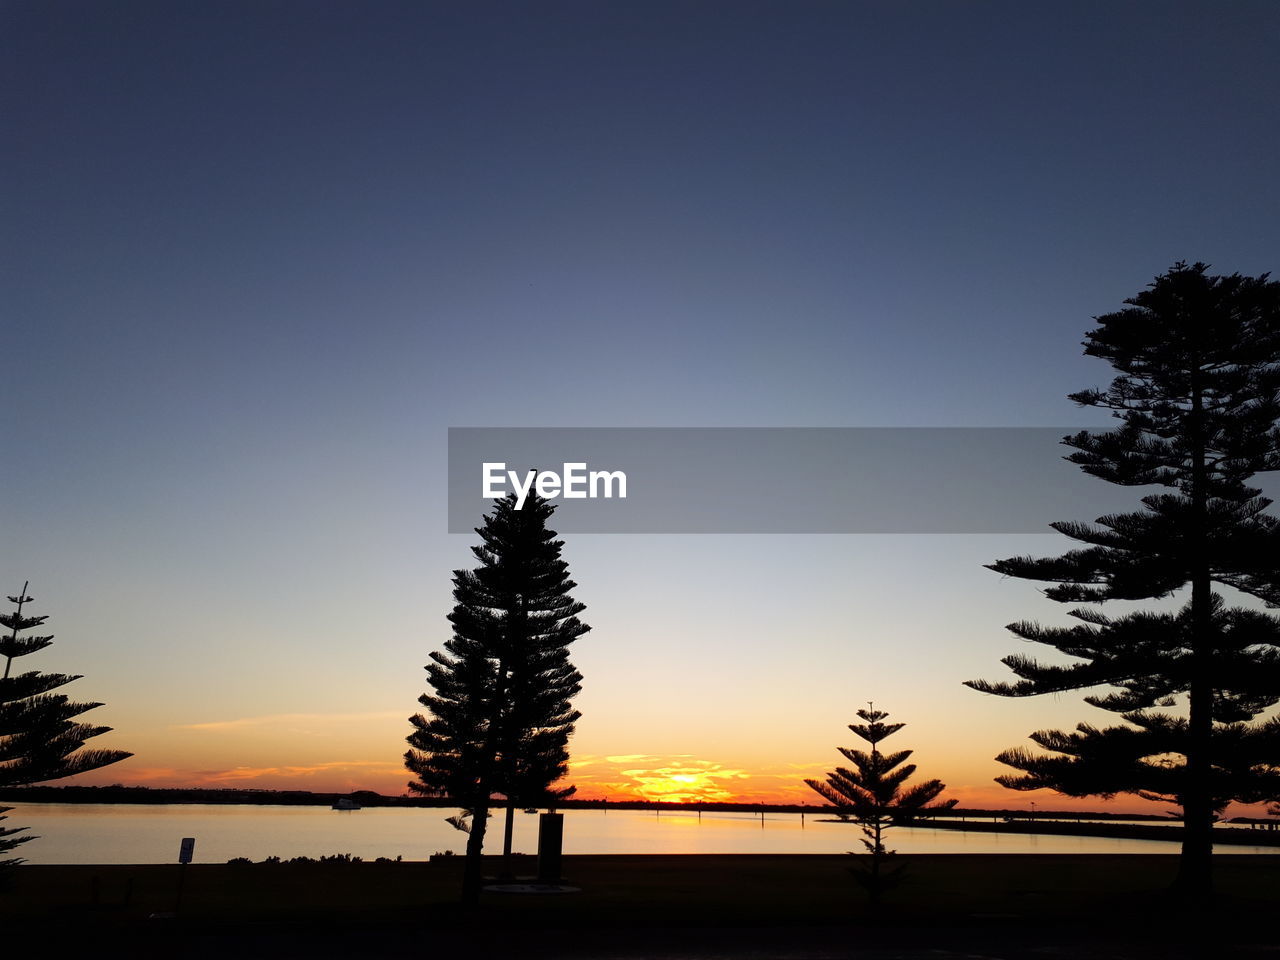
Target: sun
[(658, 779), (679, 786)]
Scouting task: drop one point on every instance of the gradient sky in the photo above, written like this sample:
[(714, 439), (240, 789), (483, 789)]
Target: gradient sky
[(259, 256)]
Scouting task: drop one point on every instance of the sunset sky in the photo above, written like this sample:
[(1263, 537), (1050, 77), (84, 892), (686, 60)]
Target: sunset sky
[(260, 256)]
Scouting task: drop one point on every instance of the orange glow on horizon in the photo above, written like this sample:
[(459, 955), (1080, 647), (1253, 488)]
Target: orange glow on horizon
[(634, 778)]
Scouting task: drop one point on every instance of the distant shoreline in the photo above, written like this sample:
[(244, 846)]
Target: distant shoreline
[(1121, 831), (368, 798)]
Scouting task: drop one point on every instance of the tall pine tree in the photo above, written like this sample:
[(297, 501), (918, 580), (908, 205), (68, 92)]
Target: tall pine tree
[(41, 737), (872, 793), (1198, 397), (500, 714)]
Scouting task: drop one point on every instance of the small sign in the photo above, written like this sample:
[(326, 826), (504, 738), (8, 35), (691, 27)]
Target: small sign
[(188, 848)]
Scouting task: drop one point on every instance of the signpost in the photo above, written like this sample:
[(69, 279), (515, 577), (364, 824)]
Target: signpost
[(185, 852)]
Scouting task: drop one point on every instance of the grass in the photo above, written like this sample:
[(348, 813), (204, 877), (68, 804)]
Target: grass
[(1102, 896)]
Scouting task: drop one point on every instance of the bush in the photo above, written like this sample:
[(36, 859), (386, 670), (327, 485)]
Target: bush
[(341, 858), (302, 861)]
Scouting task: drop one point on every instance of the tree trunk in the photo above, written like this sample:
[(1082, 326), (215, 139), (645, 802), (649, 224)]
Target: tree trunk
[(876, 856), (472, 874), (507, 872), (1195, 867), (472, 878)]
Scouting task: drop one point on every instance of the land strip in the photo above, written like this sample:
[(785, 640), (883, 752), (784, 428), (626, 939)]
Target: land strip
[(660, 906)]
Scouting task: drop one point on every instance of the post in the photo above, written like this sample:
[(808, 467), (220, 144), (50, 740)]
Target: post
[(550, 846), (507, 872), (185, 852)]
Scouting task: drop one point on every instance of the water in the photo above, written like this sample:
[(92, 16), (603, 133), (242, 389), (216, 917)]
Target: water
[(146, 833)]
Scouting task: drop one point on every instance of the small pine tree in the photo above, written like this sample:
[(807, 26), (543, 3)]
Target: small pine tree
[(872, 794), (40, 739)]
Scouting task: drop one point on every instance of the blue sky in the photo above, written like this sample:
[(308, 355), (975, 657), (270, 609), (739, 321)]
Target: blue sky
[(260, 256)]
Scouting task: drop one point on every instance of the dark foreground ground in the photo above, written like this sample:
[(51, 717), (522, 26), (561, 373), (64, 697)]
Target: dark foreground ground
[(677, 907)]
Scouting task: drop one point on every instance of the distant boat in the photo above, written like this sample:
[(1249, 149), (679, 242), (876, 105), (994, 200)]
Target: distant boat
[(345, 803)]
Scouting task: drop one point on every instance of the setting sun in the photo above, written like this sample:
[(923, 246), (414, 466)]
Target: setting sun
[(667, 779), (690, 787)]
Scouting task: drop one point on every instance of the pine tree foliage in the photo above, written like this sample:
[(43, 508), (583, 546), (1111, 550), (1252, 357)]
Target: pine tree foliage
[(1198, 399), (873, 793), (40, 736), (499, 715), (9, 841), (1147, 759)]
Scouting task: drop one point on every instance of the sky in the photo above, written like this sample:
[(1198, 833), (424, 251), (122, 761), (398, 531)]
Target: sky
[(259, 257)]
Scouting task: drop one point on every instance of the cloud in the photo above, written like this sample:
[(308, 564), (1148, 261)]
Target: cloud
[(673, 777), (146, 775), (288, 719), (238, 774), (685, 778), (324, 776), (677, 778)]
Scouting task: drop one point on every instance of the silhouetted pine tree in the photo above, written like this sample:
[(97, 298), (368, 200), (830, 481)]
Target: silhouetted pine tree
[(871, 793), (1199, 397), (40, 737), (500, 716)]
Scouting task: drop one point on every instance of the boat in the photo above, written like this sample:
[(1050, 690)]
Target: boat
[(345, 803)]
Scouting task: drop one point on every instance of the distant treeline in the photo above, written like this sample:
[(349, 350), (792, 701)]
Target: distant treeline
[(1126, 831), (118, 793), (122, 794)]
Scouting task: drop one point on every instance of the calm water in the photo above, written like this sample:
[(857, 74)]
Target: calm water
[(138, 833)]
